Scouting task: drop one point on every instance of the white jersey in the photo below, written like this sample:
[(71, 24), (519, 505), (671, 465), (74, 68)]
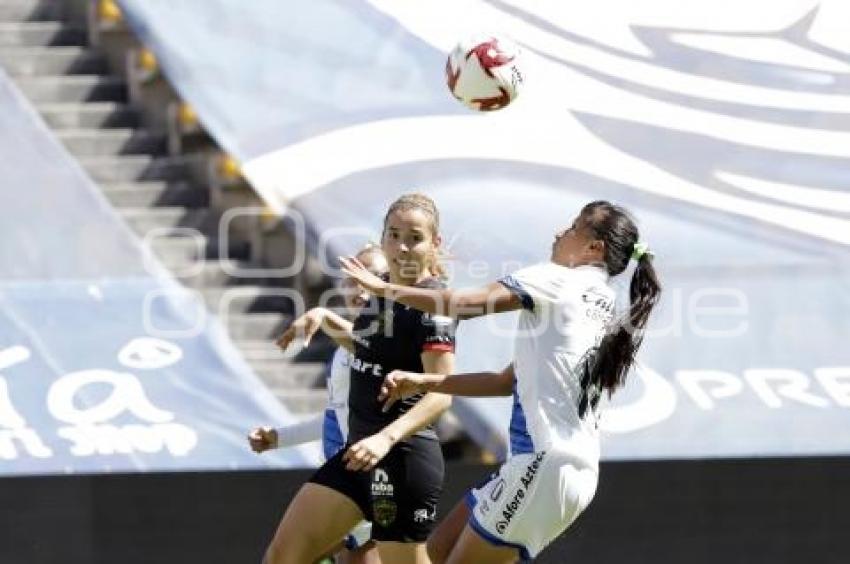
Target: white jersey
[(335, 425), (565, 313), (335, 429)]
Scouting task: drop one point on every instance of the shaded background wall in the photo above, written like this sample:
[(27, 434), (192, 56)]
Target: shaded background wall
[(732, 511)]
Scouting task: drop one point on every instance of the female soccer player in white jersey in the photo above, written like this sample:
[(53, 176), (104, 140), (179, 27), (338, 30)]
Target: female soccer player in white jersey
[(331, 427), (391, 470), (566, 353)]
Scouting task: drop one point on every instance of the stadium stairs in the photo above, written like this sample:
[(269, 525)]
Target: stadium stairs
[(82, 94)]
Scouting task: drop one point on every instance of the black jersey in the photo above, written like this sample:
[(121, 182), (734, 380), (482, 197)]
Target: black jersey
[(390, 336)]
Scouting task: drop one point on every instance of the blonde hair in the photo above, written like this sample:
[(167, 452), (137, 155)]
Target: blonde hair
[(368, 253), (421, 202)]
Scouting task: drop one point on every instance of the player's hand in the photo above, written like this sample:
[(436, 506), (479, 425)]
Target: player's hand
[(262, 439), (399, 384), (354, 269), (305, 327), (366, 453)]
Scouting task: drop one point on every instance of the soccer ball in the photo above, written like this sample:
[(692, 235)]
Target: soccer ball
[(483, 74)]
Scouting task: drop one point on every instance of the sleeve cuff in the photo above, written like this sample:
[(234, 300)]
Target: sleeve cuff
[(438, 347), (516, 288)]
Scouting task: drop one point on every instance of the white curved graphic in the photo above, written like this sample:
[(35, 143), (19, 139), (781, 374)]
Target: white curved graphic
[(148, 353), (803, 196), (9, 416), (595, 60), (11, 356), (771, 50), (301, 168), (127, 395), (656, 403)]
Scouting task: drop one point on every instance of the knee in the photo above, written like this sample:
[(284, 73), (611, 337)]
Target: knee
[(275, 554), (437, 553)]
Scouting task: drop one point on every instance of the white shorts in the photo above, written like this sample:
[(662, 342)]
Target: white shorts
[(359, 535), (531, 500)]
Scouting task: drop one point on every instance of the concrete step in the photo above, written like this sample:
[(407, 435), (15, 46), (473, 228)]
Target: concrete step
[(321, 349), (143, 220), (81, 88), (181, 252), (151, 194), (30, 10), (284, 375), (249, 299), (52, 61), (89, 115), (259, 350), (302, 402), (214, 273), (254, 326), (94, 142), (40, 34), (135, 168)]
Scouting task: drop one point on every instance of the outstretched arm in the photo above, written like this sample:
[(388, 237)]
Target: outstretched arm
[(462, 303), (267, 438), (399, 384), (334, 326)]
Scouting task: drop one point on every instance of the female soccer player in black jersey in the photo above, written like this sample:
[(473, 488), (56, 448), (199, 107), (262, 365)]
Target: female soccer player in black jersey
[(391, 472)]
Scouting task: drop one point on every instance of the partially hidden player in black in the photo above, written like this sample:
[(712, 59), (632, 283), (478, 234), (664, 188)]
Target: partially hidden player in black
[(391, 471)]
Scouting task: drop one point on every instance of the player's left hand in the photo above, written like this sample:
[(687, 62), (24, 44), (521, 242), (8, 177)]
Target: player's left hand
[(366, 453), (398, 385), (354, 269)]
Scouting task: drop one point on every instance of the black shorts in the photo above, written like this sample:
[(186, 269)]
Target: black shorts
[(399, 496)]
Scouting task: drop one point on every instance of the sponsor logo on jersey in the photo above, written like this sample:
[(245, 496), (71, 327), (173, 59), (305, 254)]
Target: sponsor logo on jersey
[(384, 511), (367, 367), (429, 319), (423, 515), (600, 305), (383, 507), (511, 507), (381, 485), (497, 490), (363, 342)]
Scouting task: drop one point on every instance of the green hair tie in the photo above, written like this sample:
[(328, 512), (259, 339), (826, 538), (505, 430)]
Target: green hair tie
[(639, 250)]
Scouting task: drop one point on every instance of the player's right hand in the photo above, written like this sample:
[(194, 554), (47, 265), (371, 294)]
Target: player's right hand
[(262, 439), (305, 327), (399, 384)]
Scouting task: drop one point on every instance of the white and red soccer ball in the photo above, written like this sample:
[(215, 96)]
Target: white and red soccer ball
[(483, 72)]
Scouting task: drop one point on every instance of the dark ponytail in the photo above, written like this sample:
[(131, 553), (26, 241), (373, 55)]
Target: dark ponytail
[(616, 352)]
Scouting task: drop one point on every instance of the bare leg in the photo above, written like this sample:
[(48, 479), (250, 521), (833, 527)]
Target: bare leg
[(403, 553), (313, 524), (472, 549), (366, 554), (445, 536)]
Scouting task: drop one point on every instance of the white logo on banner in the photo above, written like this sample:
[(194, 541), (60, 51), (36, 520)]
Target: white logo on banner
[(90, 429), (149, 354), (657, 403), (13, 427), (774, 388), (89, 423)]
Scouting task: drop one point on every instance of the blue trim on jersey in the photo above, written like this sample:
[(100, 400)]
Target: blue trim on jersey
[(515, 286), (521, 442), (470, 500), (525, 556), (351, 543), (332, 441)]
